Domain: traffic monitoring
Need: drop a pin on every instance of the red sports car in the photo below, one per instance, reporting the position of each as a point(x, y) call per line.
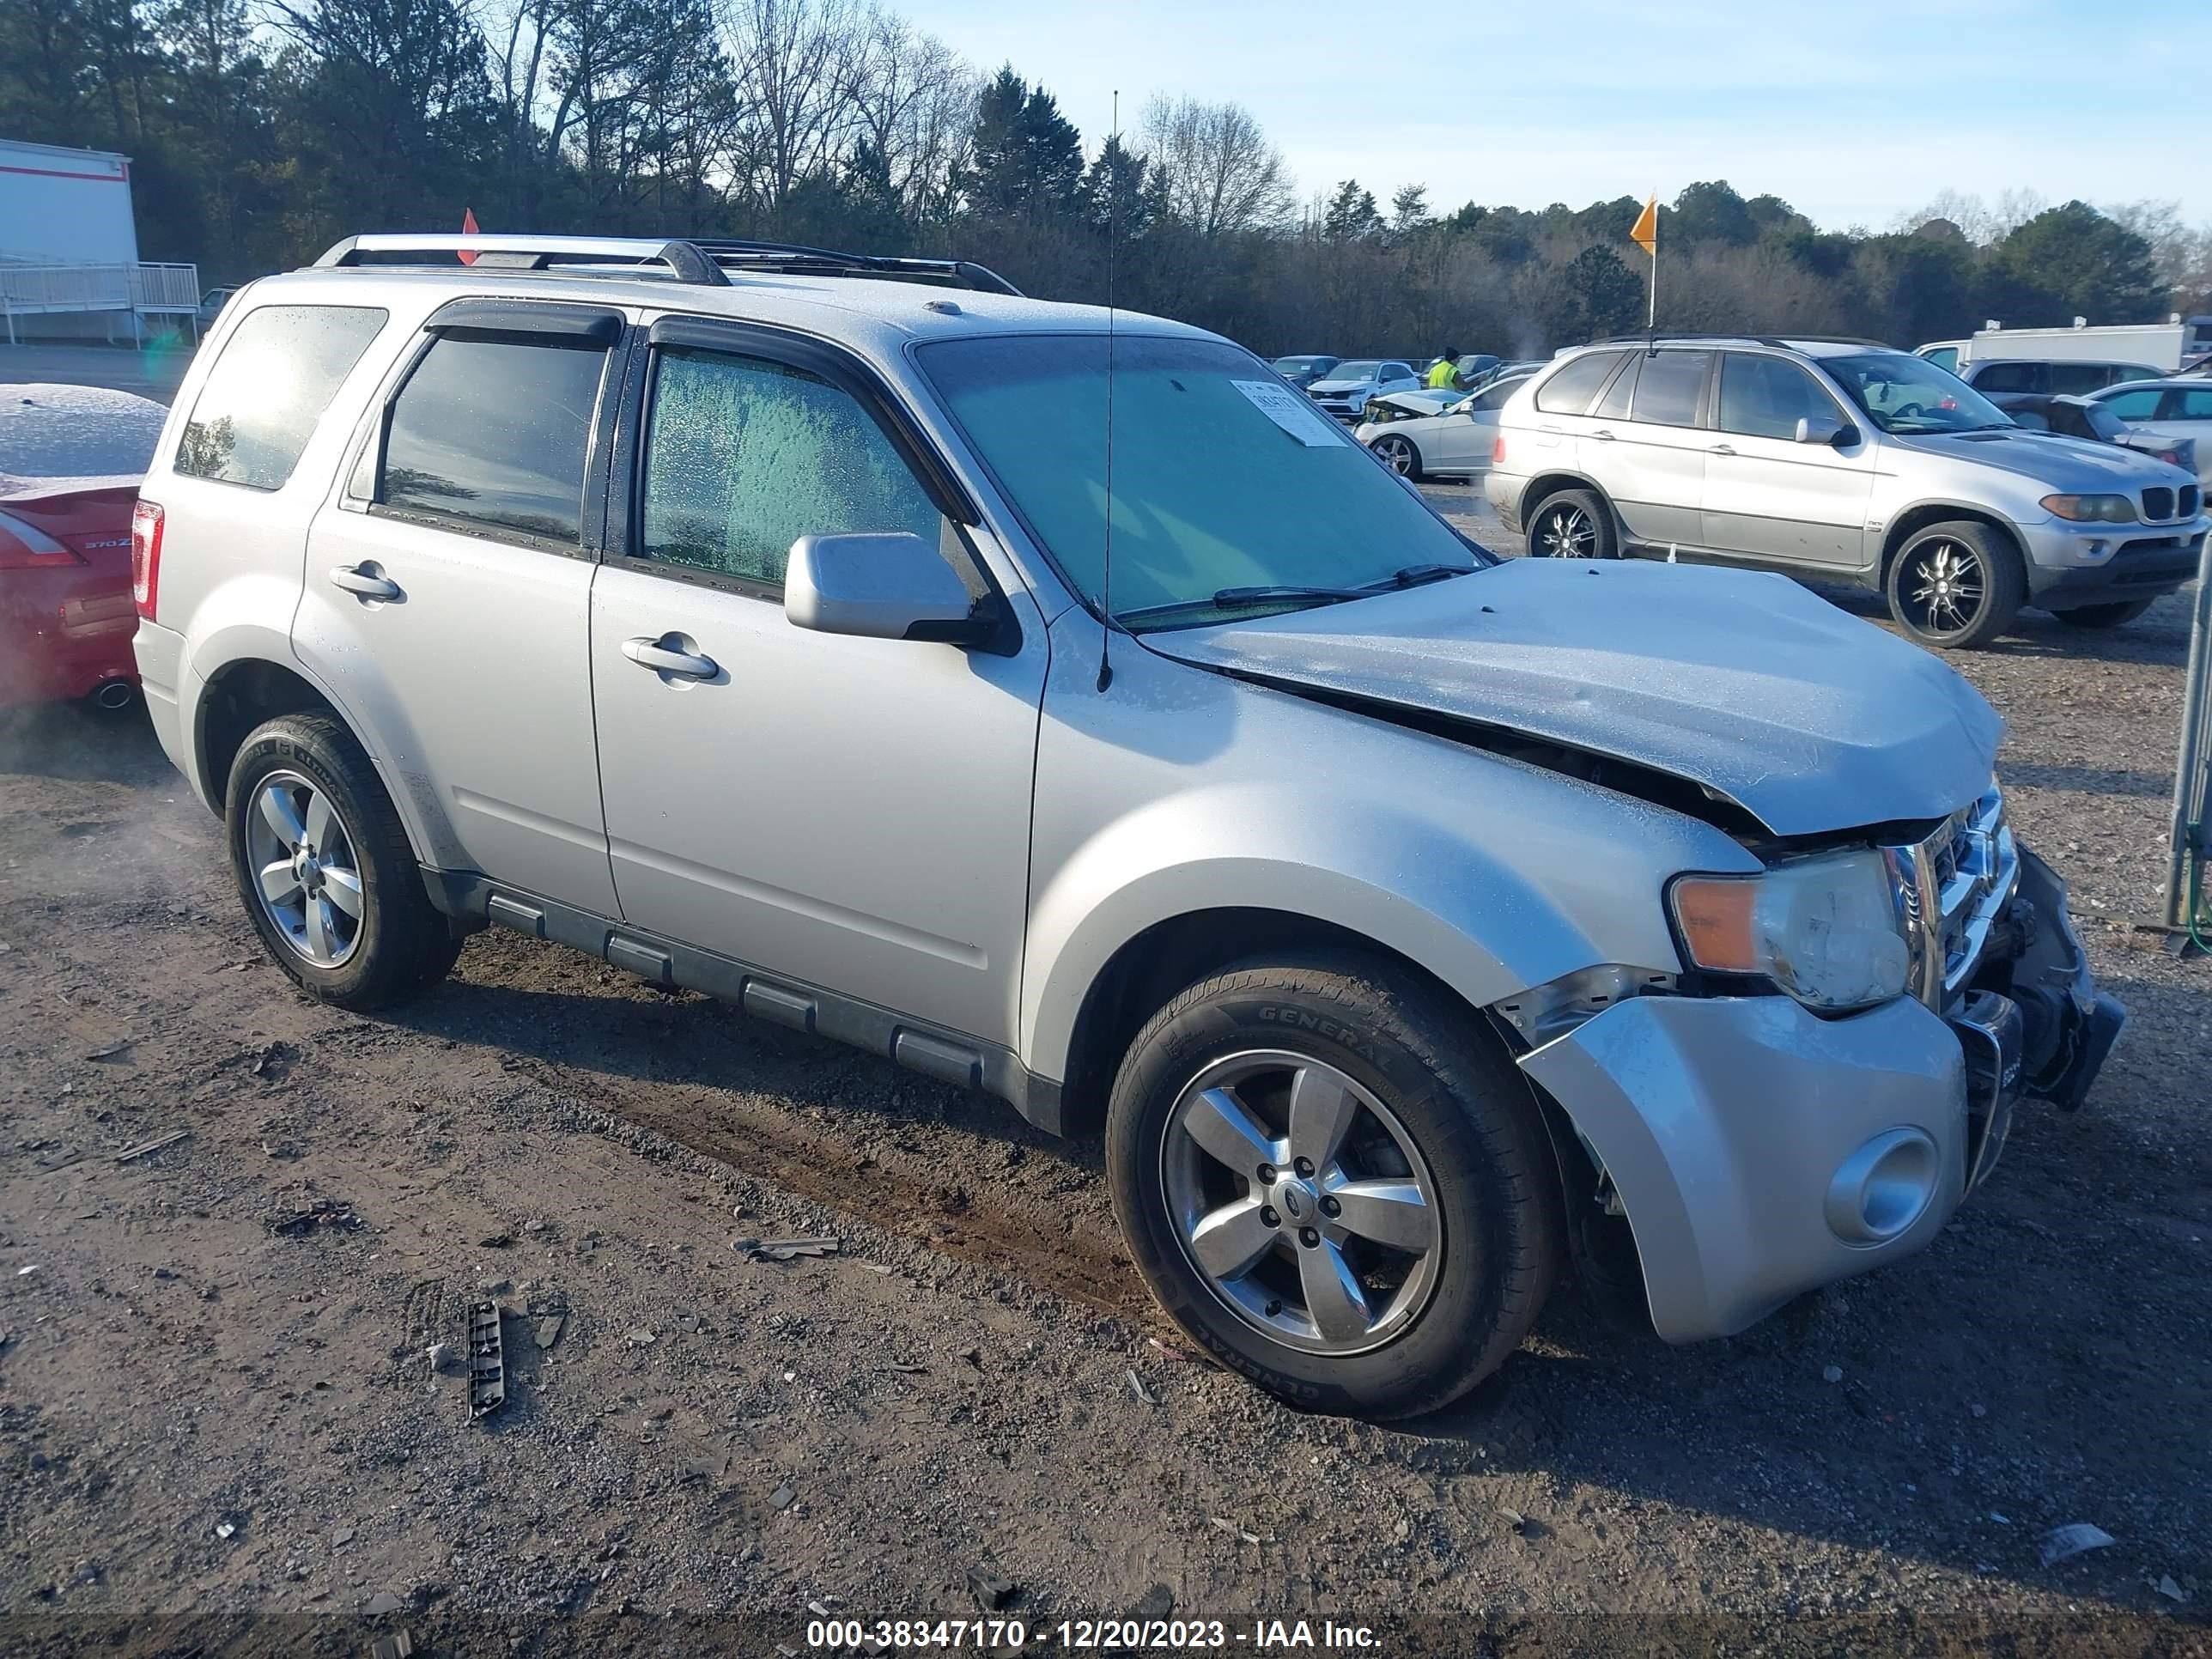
point(70, 461)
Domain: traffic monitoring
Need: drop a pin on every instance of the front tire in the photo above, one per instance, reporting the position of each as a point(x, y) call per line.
point(2118, 614)
point(1333, 1183)
point(1956, 586)
point(1575, 524)
point(324, 871)
point(1397, 452)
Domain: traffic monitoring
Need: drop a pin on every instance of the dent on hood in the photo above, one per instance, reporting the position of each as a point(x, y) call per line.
point(1744, 685)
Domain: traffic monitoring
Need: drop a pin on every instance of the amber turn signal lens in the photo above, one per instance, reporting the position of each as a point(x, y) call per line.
point(1715, 915)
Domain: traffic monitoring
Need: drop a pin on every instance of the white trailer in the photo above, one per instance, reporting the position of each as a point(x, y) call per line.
point(68, 246)
point(2164, 346)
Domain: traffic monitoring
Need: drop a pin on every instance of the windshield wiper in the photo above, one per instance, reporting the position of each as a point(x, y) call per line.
point(1414, 574)
point(1239, 598)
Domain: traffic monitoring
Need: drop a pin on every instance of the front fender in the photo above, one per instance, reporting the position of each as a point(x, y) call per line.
point(1493, 875)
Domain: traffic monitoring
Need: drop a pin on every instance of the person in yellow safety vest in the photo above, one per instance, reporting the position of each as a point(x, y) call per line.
point(1443, 374)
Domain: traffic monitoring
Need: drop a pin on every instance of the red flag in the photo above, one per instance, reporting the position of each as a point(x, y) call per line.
point(468, 228)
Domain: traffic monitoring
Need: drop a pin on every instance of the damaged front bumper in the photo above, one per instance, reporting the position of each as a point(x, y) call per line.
point(1759, 1151)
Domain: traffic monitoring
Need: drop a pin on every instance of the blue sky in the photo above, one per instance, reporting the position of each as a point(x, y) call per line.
point(1854, 110)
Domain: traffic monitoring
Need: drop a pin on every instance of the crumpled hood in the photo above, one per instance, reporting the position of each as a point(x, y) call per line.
point(1808, 718)
point(2074, 466)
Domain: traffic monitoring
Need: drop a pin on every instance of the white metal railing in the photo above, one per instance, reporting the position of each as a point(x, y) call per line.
point(32, 291)
point(166, 288)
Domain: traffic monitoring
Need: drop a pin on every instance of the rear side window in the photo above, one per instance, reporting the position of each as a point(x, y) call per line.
point(1570, 391)
point(1671, 387)
point(744, 456)
point(493, 431)
point(2138, 405)
point(277, 373)
point(2193, 404)
point(2010, 377)
point(1614, 406)
point(1943, 358)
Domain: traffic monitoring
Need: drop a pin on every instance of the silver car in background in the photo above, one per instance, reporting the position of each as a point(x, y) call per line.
point(1412, 924)
point(1846, 461)
point(1345, 390)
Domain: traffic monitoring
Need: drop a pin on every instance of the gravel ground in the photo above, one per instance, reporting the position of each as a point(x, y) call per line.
point(221, 1430)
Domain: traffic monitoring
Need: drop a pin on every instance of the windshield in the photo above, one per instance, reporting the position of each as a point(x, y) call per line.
point(1225, 480)
point(1302, 365)
point(1354, 371)
point(1905, 394)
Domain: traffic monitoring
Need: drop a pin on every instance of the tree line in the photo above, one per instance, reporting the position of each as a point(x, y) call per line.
point(261, 130)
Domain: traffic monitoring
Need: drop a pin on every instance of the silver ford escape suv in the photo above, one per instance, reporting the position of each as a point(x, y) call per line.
point(794, 628)
point(1844, 461)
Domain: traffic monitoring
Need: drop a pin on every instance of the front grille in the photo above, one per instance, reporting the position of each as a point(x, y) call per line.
point(1951, 887)
point(2192, 499)
point(2157, 504)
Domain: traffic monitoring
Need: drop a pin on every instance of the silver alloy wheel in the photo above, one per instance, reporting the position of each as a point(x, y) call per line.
point(1944, 587)
point(1397, 454)
point(305, 874)
point(1302, 1201)
point(1567, 534)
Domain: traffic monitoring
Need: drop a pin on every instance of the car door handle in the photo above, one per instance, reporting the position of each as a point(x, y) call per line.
point(1603, 435)
point(364, 582)
point(665, 658)
point(1720, 449)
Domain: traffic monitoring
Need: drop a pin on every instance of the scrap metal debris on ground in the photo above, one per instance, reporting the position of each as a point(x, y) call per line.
point(487, 1365)
point(784, 1249)
point(322, 1213)
point(145, 1148)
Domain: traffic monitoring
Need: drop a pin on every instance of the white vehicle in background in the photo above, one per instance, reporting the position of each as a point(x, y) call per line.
point(2172, 407)
point(1345, 390)
point(2162, 348)
point(1416, 437)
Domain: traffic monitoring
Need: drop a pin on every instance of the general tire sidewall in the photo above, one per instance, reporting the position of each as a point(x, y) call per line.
point(1478, 1200)
point(289, 747)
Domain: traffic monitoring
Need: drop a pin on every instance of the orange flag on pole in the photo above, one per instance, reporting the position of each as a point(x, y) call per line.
point(1645, 233)
point(469, 228)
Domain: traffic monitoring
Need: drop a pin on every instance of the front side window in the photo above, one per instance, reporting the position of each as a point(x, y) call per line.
point(1222, 483)
point(744, 456)
point(1906, 395)
point(1671, 387)
point(1493, 396)
point(492, 430)
point(2010, 377)
point(1766, 397)
point(2141, 405)
point(277, 373)
point(1943, 358)
point(2073, 379)
point(1570, 391)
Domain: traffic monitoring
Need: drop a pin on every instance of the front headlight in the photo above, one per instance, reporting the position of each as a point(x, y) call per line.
point(2092, 509)
point(1827, 929)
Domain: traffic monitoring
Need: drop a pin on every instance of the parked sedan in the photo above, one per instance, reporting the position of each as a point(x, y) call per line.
point(1345, 390)
point(1418, 435)
point(1303, 372)
point(2083, 417)
point(2172, 409)
point(70, 460)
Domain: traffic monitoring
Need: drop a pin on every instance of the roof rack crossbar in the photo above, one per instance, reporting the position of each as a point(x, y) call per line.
point(695, 260)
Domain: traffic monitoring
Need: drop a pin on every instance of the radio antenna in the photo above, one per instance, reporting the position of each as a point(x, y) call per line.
point(1113, 241)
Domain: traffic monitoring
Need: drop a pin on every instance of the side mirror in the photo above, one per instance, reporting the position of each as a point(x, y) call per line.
point(1826, 429)
point(892, 586)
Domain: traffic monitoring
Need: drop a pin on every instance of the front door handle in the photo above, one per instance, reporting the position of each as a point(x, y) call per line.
point(1603, 435)
point(1720, 449)
point(364, 582)
point(665, 656)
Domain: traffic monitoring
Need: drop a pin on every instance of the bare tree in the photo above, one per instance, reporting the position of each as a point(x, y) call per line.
point(1218, 170)
point(911, 101)
point(793, 60)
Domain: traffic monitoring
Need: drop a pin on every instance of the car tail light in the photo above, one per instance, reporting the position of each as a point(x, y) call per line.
point(24, 546)
point(1497, 450)
point(146, 556)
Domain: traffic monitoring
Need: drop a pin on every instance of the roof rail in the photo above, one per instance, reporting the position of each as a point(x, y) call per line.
point(1644, 335)
point(698, 261)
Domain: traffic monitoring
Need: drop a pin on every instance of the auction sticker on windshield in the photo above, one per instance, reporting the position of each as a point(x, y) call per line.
point(1291, 412)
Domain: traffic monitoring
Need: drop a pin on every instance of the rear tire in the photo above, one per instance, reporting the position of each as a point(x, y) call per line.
point(1956, 586)
point(324, 870)
point(1449, 1224)
point(2118, 614)
point(1574, 523)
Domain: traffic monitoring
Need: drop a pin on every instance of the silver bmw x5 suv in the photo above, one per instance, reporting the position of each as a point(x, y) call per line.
point(770, 623)
point(1846, 461)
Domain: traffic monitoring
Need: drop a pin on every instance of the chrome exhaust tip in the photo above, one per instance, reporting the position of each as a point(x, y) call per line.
point(114, 694)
